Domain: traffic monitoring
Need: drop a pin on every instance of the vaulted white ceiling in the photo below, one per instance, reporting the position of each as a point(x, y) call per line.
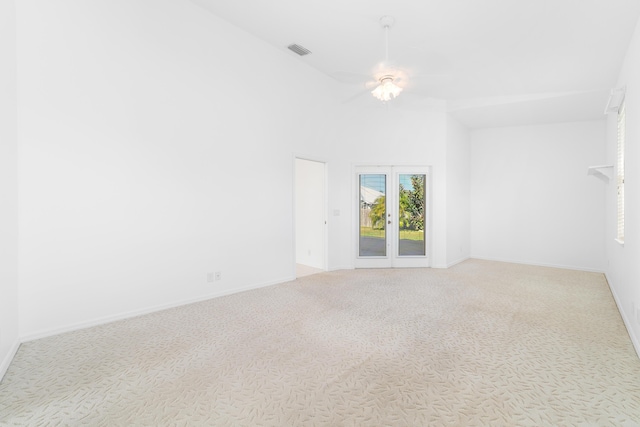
point(495, 62)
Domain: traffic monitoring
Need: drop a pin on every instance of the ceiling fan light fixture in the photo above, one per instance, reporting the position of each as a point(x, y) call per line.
point(386, 90)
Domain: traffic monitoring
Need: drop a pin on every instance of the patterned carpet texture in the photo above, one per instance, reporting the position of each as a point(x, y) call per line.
point(480, 344)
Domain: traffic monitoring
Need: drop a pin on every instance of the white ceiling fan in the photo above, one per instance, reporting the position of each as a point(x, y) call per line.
point(387, 88)
point(386, 81)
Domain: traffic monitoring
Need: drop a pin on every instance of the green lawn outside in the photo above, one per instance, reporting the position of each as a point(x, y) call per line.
point(404, 234)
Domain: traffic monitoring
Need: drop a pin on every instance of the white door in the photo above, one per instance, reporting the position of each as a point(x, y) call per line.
point(392, 216)
point(310, 213)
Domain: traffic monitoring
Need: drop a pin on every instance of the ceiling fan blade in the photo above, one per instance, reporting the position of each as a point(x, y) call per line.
point(417, 102)
point(371, 84)
point(350, 78)
point(357, 96)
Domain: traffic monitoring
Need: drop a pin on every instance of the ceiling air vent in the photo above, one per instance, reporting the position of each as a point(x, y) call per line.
point(299, 49)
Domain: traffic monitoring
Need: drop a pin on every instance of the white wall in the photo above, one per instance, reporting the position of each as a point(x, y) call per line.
point(369, 132)
point(531, 199)
point(8, 187)
point(623, 271)
point(375, 134)
point(155, 140)
point(310, 213)
point(148, 139)
point(458, 192)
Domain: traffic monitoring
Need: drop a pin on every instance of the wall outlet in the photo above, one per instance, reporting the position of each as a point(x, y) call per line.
point(217, 276)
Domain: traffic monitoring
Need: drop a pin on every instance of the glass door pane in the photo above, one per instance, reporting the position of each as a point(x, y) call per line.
point(411, 215)
point(391, 220)
point(373, 213)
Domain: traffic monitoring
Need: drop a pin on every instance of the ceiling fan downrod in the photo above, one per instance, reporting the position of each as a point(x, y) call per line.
point(386, 22)
point(387, 89)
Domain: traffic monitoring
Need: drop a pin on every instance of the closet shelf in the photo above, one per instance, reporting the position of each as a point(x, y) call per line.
point(601, 171)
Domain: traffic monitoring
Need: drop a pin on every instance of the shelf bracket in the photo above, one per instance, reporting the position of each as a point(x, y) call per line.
point(603, 172)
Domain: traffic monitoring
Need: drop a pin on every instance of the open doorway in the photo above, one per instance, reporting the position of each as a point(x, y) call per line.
point(310, 217)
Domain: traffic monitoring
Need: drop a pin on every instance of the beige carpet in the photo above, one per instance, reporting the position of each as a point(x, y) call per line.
point(480, 344)
point(306, 270)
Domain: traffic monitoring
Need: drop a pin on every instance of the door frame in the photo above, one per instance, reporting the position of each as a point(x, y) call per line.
point(391, 259)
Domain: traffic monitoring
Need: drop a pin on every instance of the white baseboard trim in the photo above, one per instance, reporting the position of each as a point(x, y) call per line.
point(341, 268)
point(451, 264)
point(8, 358)
point(442, 266)
point(540, 264)
point(134, 313)
point(625, 319)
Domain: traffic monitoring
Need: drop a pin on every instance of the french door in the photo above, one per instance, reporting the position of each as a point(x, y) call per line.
point(392, 216)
